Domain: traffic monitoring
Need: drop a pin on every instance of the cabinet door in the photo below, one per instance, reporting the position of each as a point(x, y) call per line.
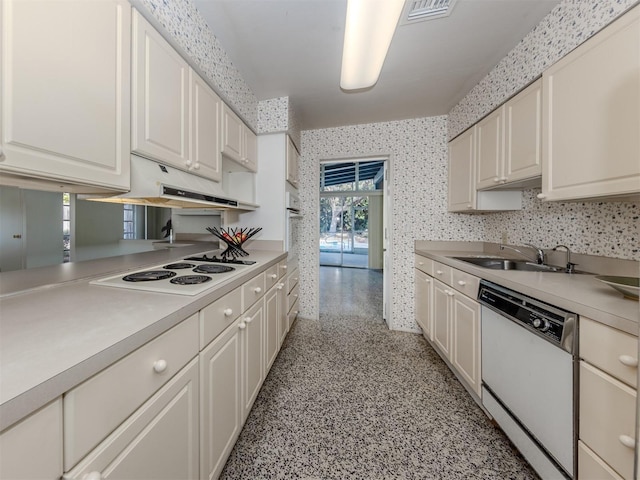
point(462, 189)
point(424, 284)
point(252, 356)
point(283, 325)
point(292, 163)
point(159, 441)
point(206, 112)
point(441, 324)
point(32, 449)
point(591, 116)
point(160, 110)
point(271, 337)
point(490, 150)
point(66, 95)
point(220, 400)
point(465, 335)
point(523, 134)
point(250, 155)
point(232, 136)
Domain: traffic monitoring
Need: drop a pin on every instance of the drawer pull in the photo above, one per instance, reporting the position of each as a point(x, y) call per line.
point(439, 272)
point(449, 292)
point(462, 283)
point(295, 280)
point(248, 320)
point(628, 360)
point(273, 276)
point(284, 267)
point(427, 280)
point(279, 286)
point(242, 325)
point(296, 295)
point(92, 476)
point(420, 263)
point(159, 366)
point(627, 441)
point(228, 312)
point(257, 290)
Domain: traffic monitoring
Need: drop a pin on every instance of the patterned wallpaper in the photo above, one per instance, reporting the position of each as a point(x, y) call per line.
point(273, 115)
point(417, 150)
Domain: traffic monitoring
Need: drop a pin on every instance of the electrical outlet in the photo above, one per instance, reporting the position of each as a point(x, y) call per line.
point(504, 238)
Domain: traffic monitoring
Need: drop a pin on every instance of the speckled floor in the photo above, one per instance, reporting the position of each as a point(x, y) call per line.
point(349, 399)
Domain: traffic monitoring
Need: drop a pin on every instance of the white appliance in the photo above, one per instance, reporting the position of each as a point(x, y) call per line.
point(293, 216)
point(189, 276)
point(529, 377)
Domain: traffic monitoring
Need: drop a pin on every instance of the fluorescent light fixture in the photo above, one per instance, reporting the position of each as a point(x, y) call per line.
point(367, 36)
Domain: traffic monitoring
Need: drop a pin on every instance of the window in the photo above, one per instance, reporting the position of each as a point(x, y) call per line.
point(351, 176)
point(66, 228)
point(129, 222)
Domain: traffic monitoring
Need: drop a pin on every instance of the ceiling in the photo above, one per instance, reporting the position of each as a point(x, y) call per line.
point(294, 48)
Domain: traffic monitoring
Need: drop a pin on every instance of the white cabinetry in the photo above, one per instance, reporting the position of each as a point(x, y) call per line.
point(206, 112)
point(32, 449)
point(446, 299)
point(239, 143)
point(608, 382)
point(591, 116)
point(509, 142)
point(66, 93)
point(252, 348)
point(463, 196)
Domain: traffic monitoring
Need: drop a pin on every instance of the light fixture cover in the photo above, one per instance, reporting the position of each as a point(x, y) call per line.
point(369, 29)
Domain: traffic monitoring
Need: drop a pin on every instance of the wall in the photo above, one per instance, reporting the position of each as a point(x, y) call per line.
point(417, 150)
point(595, 228)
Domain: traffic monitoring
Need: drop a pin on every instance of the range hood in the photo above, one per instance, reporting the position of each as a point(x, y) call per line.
point(160, 185)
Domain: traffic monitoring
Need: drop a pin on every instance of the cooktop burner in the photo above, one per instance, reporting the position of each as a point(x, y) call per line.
point(149, 276)
point(213, 269)
point(214, 259)
point(190, 279)
point(179, 266)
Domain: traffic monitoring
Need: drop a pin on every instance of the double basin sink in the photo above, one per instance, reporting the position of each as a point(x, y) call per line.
point(511, 264)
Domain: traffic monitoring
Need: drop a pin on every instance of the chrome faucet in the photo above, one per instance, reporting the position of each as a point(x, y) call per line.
point(570, 265)
point(539, 257)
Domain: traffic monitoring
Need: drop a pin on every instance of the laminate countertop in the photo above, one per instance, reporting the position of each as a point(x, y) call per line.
point(57, 329)
point(577, 293)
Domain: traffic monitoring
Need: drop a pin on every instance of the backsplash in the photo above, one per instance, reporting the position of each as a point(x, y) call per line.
point(564, 28)
point(609, 229)
point(185, 24)
point(417, 150)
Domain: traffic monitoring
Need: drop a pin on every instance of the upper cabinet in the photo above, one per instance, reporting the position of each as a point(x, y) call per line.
point(591, 115)
point(292, 163)
point(66, 92)
point(239, 143)
point(463, 195)
point(176, 115)
point(509, 142)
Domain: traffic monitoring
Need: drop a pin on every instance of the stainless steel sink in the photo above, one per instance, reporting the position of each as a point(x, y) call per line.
point(511, 264)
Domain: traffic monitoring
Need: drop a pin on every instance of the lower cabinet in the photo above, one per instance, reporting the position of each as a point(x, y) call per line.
point(251, 334)
point(272, 327)
point(159, 441)
point(449, 316)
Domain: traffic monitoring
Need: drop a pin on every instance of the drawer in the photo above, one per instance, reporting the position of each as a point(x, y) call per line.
point(607, 418)
point(292, 298)
point(465, 283)
point(282, 268)
point(293, 314)
point(292, 280)
point(424, 264)
point(253, 290)
point(214, 318)
point(592, 467)
point(610, 350)
point(271, 276)
point(96, 407)
point(442, 272)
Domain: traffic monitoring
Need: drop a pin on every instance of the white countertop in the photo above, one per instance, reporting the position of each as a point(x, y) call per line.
point(57, 330)
point(581, 294)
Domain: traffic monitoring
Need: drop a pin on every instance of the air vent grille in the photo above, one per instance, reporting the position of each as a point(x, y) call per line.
point(418, 10)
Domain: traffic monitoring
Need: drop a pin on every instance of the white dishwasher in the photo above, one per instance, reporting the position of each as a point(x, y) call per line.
point(529, 375)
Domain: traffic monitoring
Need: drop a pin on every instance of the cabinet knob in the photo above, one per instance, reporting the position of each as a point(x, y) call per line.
point(627, 441)
point(196, 166)
point(541, 196)
point(462, 283)
point(296, 295)
point(159, 366)
point(248, 320)
point(284, 267)
point(280, 286)
point(427, 280)
point(503, 179)
point(257, 290)
point(449, 292)
point(242, 325)
point(439, 272)
point(92, 476)
point(188, 163)
point(295, 279)
point(628, 360)
point(496, 179)
point(420, 263)
point(469, 206)
point(273, 275)
point(227, 312)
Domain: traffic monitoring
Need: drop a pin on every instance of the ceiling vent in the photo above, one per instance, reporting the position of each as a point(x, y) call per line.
point(419, 10)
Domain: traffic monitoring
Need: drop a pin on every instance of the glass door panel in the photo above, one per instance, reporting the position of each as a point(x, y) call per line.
point(344, 224)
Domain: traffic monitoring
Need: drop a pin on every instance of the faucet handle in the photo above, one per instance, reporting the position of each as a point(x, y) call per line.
point(570, 267)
